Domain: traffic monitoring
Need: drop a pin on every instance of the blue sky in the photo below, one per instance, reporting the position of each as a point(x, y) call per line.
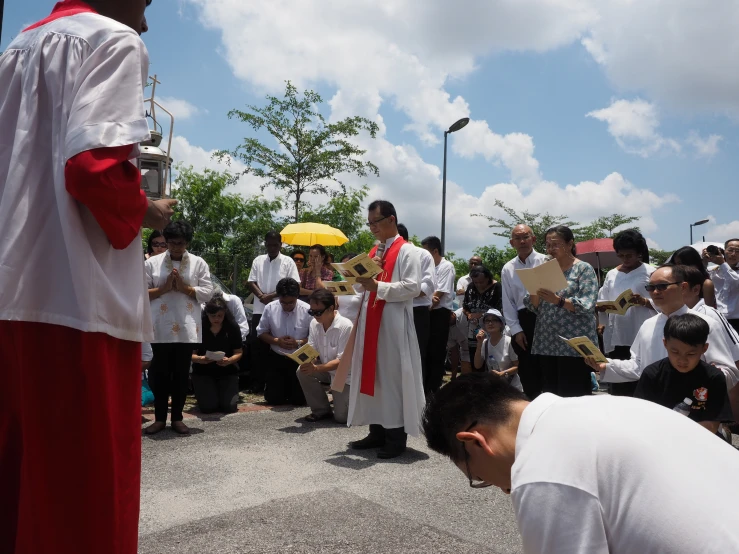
point(526, 72)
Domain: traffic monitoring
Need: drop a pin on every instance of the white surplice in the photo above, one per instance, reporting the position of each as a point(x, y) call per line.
point(398, 400)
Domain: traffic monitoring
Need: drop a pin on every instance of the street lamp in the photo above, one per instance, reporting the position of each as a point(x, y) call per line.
point(453, 129)
point(701, 222)
point(155, 164)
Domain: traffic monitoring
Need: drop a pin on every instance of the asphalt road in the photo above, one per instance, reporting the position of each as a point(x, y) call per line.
point(265, 482)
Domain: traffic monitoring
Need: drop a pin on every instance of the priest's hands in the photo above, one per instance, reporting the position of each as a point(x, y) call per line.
point(368, 283)
point(159, 213)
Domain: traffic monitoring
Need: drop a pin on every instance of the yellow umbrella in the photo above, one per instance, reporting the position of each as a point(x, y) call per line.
point(308, 234)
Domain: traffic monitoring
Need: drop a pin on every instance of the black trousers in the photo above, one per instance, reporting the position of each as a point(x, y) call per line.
point(168, 376)
point(621, 389)
point(734, 323)
point(528, 364)
point(436, 352)
point(565, 375)
point(422, 323)
point(282, 385)
point(216, 394)
point(258, 351)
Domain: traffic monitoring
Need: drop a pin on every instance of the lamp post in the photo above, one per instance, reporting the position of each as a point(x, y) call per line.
point(155, 164)
point(701, 222)
point(454, 128)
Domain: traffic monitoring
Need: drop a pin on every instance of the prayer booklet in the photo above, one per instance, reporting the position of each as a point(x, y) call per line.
point(304, 354)
point(215, 356)
point(359, 266)
point(619, 306)
point(340, 288)
point(585, 347)
point(547, 276)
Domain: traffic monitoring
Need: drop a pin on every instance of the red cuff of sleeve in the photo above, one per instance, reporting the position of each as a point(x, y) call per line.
point(110, 187)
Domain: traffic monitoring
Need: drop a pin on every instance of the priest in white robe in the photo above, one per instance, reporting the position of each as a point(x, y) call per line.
point(387, 383)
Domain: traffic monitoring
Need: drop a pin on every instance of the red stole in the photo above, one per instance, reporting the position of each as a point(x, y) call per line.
point(65, 8)
point(374, 317)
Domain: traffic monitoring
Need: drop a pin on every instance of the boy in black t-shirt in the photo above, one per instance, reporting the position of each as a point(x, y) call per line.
point(683, 374)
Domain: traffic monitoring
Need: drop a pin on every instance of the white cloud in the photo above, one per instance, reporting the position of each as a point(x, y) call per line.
point(653, 244)
point(181, 109)
point(721, 232)
point(634, 123)
point(704, 147)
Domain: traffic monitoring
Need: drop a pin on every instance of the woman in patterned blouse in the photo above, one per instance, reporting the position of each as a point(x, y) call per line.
point(568, 313)
point(313, 276)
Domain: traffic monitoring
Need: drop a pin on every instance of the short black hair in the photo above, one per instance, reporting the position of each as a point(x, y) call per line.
point(296, 252)
point(325, 297)
point(693, 276)
point(349, 256)
point(470, 398)
point(687, 328)
point(273, 235)
point(678, 272)
point(154, 235)
point(687, 255)
point(726, 244)
point(287, 287)
point(386, 209)
point(403, 231)
point(565, 233)
point(631, 239)
point(178, 230)
point(481, 270)
point(433, 242)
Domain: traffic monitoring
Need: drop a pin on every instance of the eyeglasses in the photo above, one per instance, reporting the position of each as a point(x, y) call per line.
point(159, 245)
point(375, 222)
point(316, 313)
point(732, 250)
point(299, 259)
point(660, 286)
point(473, 484)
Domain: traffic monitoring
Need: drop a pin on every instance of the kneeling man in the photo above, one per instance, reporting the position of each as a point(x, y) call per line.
point(329, 334)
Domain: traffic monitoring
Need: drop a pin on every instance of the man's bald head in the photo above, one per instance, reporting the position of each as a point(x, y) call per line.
point(522, 239)
point(521, 229)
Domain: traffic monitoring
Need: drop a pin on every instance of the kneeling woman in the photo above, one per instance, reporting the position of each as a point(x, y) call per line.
point(217, 382)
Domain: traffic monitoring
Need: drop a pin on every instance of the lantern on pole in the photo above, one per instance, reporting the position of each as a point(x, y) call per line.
point(154, 163)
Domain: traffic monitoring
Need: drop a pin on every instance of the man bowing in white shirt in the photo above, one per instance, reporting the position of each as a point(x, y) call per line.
point(386, 385)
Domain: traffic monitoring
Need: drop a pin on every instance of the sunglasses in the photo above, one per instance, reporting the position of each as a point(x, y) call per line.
point(316, 313)
point(159, 245)
point(660, 286)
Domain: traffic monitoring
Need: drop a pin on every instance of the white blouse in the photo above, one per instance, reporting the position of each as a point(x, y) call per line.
point(621, 330)
point(175, 315)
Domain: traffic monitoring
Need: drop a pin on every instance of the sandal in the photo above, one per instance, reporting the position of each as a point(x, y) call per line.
point(312, 418)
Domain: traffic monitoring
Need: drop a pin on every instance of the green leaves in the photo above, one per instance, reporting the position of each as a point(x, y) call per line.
point(310, 152)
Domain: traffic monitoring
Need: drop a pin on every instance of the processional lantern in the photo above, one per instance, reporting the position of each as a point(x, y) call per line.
point(154, 163)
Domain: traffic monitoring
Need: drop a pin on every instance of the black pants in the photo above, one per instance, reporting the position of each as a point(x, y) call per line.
point(392, 437)
point(168, 376)
point(436, 352)
point(282, 385)
point(258, 351)
point(528, 364)
point(216, 394)
point(734, 323)
point(565, 375)
point(422, 323)
point(621, 389)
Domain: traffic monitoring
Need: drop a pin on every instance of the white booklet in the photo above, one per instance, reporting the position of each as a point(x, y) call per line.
point(359, 266)
point(215, 356)
point(304, 354)
point(340, 288)
point(547, 276)
point(585, 347)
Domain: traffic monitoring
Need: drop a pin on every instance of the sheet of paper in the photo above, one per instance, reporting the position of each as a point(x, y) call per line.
point(304, 354)
point(215, 356)
point(547, 276)
point(585, 347)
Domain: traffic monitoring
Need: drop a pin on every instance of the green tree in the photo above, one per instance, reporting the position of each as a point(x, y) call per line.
point(539, 223)
point(659, 257)
point(311, 153)
point(603, 227)
point(495, 258)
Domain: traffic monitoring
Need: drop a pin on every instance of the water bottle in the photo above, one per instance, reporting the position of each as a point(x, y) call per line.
point(684, 407)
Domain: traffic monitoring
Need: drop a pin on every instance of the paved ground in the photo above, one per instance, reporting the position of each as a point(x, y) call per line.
point(264, 482)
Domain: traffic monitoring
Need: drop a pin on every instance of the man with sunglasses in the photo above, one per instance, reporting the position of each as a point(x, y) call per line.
point(329, 334)
point(666, 287)
point(590, 475)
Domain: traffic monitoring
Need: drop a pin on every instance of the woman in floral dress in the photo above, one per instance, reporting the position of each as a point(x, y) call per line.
point(178, 283)
point(568, 313)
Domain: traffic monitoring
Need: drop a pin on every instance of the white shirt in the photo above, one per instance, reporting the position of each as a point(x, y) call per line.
point(175, 315)
point(279, 323)
point(462, 285)
point(266, 273)
point(445, 273)
point(349, 306)
point(726, 281)
point(72, 85)
point(428, 279)
point(498, 357)
point(331, 342)
point(147, 354)
point(621, 330)
point(730, 335)
point(649, 348)
point(618, 475)
point(513, 289)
